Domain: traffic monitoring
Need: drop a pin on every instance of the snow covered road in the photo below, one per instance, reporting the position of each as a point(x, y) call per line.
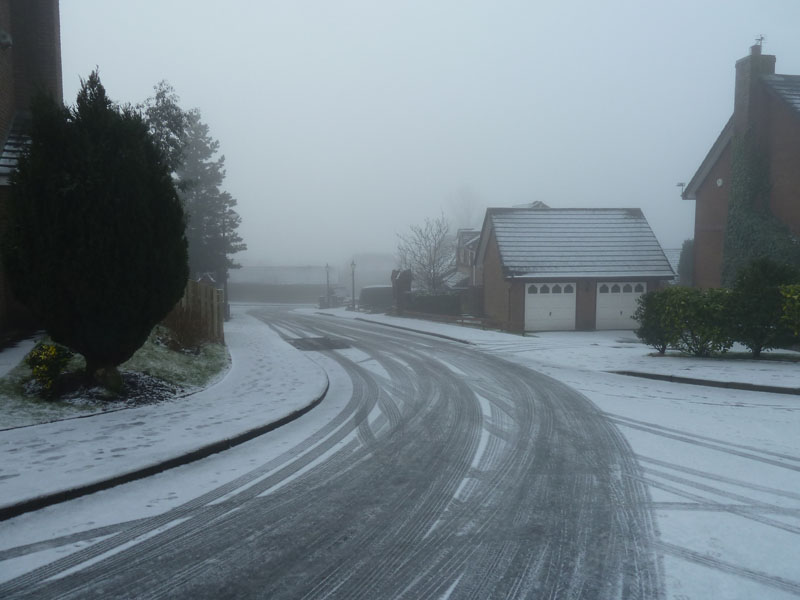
point(429, 471)
point(437, 469)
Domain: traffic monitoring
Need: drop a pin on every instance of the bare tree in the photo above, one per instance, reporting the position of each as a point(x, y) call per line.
point(429, 252)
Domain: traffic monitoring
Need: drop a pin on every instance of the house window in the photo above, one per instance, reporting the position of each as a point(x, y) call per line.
point(604, 289)
point(627, 289)
point(532, 289)
point(639, 288)
point(544, 289)
point(568, 289)
point(556, 289)
point(615, 289)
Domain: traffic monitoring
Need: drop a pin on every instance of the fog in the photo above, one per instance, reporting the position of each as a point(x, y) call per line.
point(344, 122)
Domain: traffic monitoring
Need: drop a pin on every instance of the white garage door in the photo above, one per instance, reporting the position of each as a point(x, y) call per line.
point(549, 306)
point(616, 303)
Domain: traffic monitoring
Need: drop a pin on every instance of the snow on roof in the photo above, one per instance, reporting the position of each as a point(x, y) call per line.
point(578, 242)
point(785, 86)
point(673, 256)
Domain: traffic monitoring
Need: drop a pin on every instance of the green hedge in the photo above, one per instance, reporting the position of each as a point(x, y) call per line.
point(702, 320)
point(757, 305)
point(655, 327)
point(761, 311)
point(690, 320)
point(790, 295)
point(436, 304)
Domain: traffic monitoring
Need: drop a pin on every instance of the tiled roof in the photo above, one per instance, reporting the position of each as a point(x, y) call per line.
point(578, 242)
point(12, 149)
point(787, 87)
point(674, 257)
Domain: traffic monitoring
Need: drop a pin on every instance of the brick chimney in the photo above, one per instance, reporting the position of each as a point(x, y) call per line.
point(36, 52)
point(748, 97)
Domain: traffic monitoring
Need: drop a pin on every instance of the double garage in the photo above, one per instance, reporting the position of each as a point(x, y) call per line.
point(553, 306)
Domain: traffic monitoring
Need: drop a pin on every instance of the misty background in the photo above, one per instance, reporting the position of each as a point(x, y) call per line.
point(345, 122)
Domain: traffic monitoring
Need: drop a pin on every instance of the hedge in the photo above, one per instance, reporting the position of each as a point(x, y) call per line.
point(436, 304)
point(762, 311)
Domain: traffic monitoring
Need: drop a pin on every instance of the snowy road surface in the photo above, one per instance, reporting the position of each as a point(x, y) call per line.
point(429, 471)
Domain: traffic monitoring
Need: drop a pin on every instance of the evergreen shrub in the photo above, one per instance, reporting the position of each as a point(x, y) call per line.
point(655, 329)
point(94, 243)
point(756, 307)
point(690, 320)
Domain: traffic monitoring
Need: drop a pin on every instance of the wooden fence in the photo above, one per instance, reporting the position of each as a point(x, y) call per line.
point(200, 313)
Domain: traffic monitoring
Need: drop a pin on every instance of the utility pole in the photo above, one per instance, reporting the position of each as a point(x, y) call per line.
point(353, 275)
point(327, 286)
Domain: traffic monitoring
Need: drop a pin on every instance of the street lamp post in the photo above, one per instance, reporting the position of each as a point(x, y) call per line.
point(327, 286)
point(353, 275)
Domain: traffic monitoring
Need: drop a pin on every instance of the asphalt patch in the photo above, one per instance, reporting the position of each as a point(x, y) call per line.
point(318, 344)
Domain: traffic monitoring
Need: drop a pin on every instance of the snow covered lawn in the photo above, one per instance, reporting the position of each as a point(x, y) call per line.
point(268, 380)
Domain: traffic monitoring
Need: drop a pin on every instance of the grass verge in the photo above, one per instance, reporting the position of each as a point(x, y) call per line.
point(155, 373)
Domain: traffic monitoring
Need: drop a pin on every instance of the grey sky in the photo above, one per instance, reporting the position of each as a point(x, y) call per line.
point(343, 122)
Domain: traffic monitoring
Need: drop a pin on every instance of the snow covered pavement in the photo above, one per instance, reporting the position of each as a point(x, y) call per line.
point(268, 381)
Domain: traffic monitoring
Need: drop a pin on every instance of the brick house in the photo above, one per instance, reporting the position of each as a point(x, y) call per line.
point(466, 247)
point(564, 269)
point(30, 60)
point(768, 106)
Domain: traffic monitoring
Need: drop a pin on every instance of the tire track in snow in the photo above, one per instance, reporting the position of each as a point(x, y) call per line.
point(744, 451)
point(773, 581)
point(555, 511)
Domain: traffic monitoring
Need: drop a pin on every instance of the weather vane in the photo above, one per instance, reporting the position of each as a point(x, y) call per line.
point(760, 40)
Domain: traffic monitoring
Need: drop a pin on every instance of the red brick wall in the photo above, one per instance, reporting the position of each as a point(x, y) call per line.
point(586, 305)
point(495, 287)
point(748, 101)
point(516, 320)
point(711, 213)
point(32, 63)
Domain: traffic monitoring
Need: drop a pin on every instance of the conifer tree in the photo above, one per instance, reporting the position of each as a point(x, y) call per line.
point(95, 242)
point(212, 221)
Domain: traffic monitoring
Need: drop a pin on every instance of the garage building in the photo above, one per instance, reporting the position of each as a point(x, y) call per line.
point(549, 269)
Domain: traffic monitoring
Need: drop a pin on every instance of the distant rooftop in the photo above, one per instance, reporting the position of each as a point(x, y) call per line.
point(578, 242)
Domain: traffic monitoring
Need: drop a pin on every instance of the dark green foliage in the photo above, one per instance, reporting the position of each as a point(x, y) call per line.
point(693, 321)
point(701, 316)
point(212, 221)
point(655, 328)
point(790, 308)
point(95, 242)
point(686, 264)
point(752, 231)
point(436, 304)
point(756, 308)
